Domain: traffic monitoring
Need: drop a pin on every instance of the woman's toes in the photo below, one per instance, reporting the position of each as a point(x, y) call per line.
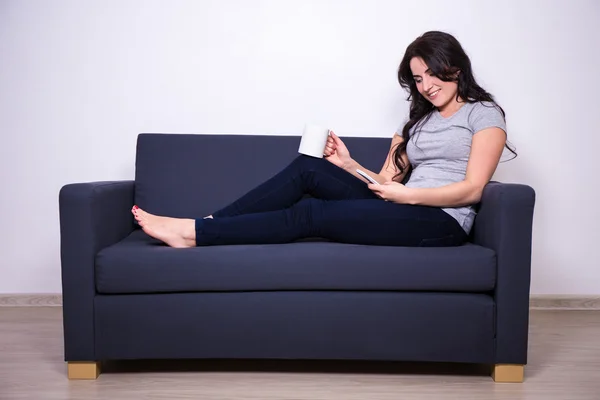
point(141, 213)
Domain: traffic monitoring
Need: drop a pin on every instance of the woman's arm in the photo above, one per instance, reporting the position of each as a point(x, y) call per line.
point(486, 150)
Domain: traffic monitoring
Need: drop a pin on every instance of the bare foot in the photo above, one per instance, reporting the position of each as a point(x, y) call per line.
point(176, 232)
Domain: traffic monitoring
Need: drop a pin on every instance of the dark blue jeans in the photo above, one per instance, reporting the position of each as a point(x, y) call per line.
point(339, 207)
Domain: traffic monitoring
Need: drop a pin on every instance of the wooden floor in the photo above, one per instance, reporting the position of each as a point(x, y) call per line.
point(564, 363)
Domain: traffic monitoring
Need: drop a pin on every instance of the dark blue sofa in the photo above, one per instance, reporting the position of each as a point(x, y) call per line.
point(127, 296)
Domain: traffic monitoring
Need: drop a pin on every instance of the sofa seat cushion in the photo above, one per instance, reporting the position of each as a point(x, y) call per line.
point(140, 264)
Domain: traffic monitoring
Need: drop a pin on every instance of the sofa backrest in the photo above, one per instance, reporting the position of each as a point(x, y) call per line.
point(193, 175)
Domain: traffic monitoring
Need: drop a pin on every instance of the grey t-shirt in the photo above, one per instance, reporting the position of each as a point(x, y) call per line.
point(439, 151)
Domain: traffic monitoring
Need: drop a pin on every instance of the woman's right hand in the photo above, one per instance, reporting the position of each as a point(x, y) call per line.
point(336, 151)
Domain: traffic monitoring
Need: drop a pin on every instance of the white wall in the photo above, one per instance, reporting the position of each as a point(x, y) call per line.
point(79, 80)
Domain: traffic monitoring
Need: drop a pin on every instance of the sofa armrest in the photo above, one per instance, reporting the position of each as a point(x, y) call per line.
point(92, 216)
point(504, 224)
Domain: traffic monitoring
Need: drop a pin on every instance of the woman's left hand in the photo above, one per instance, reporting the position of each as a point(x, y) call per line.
point(391, 191)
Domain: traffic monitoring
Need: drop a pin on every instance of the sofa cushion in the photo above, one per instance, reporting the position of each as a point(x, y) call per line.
point(140, 264)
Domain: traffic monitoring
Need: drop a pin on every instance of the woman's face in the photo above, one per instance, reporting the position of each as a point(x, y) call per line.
point(441, 94)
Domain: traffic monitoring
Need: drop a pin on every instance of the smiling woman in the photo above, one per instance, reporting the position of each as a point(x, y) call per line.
point(437, 73)
point(461, 133)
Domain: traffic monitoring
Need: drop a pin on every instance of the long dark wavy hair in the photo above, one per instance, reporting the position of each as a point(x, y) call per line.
point(447, 60)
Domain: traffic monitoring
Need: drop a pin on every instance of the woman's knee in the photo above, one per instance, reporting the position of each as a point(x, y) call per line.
point(308, 163)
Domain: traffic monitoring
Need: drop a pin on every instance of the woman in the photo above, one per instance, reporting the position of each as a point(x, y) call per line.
point(451, 144)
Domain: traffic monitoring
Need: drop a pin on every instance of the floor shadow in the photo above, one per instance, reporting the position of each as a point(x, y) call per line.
point(296, 366)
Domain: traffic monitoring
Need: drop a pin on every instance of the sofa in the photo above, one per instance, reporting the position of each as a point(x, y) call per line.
point(127, 296)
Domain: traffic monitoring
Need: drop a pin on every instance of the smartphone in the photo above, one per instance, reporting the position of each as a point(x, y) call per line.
point(366, 176)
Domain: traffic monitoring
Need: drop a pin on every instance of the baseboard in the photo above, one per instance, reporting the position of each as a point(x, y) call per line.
point(31, 300)
point(536, 302)
point(564, 302)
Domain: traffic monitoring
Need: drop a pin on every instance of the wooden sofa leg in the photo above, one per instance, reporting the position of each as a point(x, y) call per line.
point(508, 372)
point(83, 369)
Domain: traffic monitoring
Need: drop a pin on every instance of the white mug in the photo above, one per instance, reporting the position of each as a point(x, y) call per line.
point(314, 139)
